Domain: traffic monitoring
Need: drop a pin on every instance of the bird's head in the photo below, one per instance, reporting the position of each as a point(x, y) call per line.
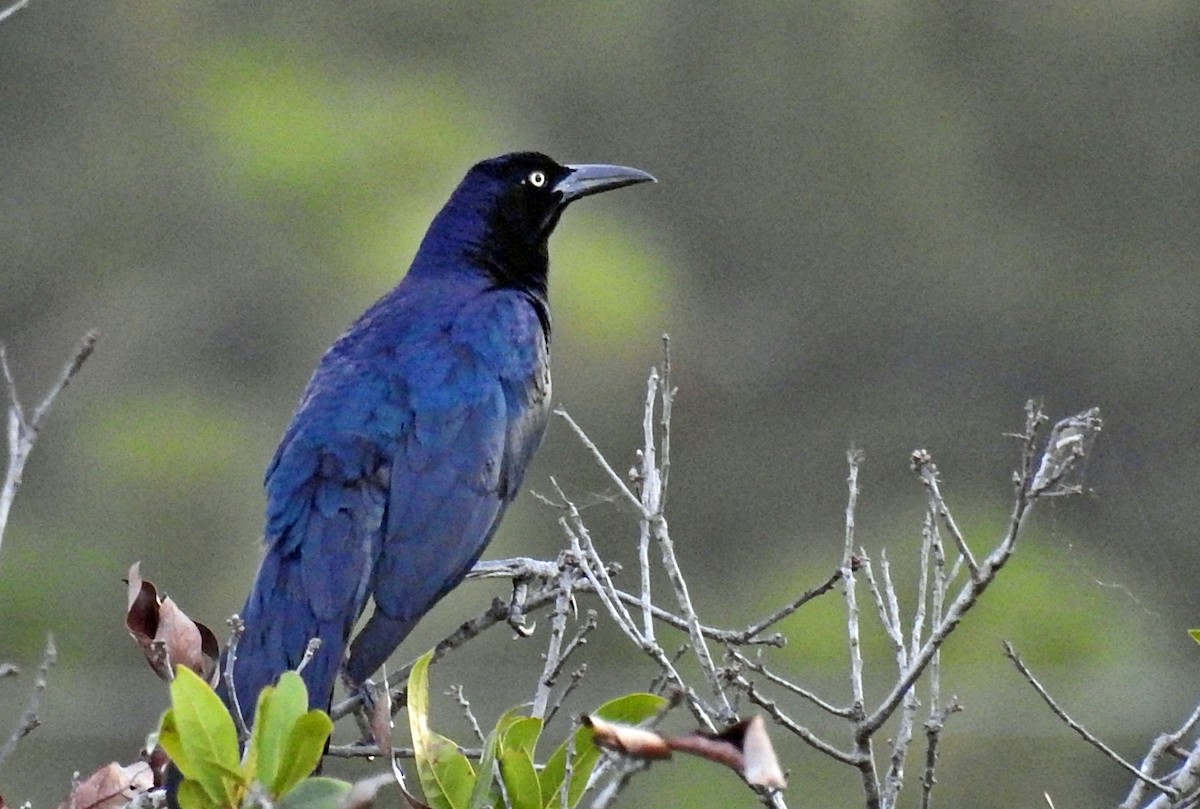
point(505, 209)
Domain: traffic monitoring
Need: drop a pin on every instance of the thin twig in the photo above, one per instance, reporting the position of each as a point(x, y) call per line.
point(925, 467)
point(1163, 745)
point(792, 726)
point(755, 666)
point(372, 751)
point(22, 430)
point(579, 639)
point(576, 677)
point(754, 630)
point(236, 627)
point(13, 9)
point(699, 644)
point(600, 459)
point(850, 563)
point(554, 647)
point(29, 719)
point(461, 697)
point(1083, 732)
point(863, 758)
point(974, 587)
point(651, 495)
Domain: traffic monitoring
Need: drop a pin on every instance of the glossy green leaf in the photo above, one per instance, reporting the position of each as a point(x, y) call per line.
point(206, 735)
point(279, 707)
point(522, 734)
point(315, 793)
point(446, 775)
point(1195, 633)
point(168, 737)
point(302, 750)
point(630, 709)
point(193, 796)
point(520, 778)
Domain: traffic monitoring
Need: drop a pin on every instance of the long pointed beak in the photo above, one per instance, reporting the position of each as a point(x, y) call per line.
point(585, 180)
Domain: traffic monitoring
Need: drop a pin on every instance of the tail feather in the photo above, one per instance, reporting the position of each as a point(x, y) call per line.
point(279, 623)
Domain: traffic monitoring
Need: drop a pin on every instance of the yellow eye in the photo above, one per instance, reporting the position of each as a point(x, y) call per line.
point(537, 179)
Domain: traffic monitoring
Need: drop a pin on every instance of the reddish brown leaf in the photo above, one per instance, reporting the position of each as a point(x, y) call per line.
point(110, 786)
point(627, 739)
point(165, 633)
point(713, 749)
point(743, 746)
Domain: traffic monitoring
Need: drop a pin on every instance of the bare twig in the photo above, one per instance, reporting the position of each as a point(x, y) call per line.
point(461, 697)
point(782, 682)
point(651, 495)
point(1162, 746)
point(29, 719)
point(924, 466)
point(372, 751)
point(23, 430)
point(785, 721)
point(576, 677)
point(933, 736)
point(600, 459)
point(1083, 732)
point(554, 648)
point(754, 630)
point(863, 757)
point(13, 9)
point(236, 627)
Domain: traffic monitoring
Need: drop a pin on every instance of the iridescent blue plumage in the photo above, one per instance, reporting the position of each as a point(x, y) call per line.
point(414, 432)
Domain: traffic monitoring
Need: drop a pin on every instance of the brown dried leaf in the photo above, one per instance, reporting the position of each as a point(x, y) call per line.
point(627, 739)
point(110, 786)
point(713, 749)
point(166, 633)
point(744, 746)
point(762, 765)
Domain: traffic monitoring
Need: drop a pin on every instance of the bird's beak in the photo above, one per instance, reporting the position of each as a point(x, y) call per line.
point(588, 179)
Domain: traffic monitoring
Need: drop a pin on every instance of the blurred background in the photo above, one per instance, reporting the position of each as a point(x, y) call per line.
point(885, 224)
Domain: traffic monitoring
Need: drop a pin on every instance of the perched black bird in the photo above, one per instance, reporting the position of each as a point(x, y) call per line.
point(414, 432)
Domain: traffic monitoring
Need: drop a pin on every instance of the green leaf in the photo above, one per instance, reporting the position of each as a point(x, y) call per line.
point(447, 778)
point(520, 778)
point(522, 734)
point(279, 708)
point(206, 735)
point(193, 796)
point(1195, 633)
point(302, 750)
point(517, 745)
point(168, 737)
point(630, 709)
point(483, 794)
point(315, 793)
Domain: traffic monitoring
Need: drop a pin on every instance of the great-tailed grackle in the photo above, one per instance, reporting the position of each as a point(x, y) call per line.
point(414, 432)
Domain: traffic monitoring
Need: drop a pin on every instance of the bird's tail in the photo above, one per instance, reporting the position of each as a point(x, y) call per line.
point(279, 625)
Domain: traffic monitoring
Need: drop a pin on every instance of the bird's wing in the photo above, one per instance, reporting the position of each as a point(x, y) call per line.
point(478, 399)
point(327, 486)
